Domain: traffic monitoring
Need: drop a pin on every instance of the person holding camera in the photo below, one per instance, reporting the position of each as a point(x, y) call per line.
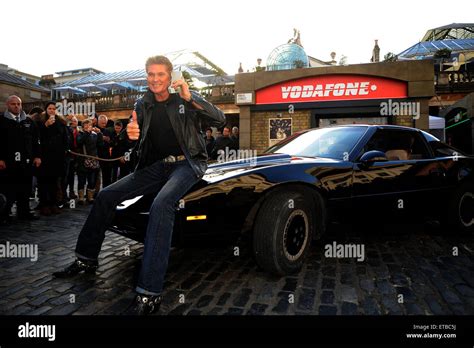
point(171, 159)
point(54, 146)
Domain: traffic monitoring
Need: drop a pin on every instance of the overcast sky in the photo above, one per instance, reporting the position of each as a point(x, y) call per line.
point(43, 37)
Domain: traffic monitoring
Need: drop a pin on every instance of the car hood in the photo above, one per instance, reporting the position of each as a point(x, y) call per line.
point(220, 171)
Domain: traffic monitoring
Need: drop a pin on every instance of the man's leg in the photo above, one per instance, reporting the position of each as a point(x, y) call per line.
point(160, 228)
point(106, 174)
point(114, 172)
point(9, 192)
point(23, 194)
point(100, 217)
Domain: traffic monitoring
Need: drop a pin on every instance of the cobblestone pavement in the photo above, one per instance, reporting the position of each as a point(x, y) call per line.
point(415, 261)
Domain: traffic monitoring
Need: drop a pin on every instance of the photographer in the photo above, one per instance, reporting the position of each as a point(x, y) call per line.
point(54, 146)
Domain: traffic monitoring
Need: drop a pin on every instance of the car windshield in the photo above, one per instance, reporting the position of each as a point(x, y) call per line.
point(334, 143)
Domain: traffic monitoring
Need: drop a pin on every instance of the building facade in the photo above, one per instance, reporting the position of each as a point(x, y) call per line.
point(275, 104)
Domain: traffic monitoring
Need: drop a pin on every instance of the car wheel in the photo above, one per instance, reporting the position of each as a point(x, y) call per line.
point(283, 231)
point(460, 210)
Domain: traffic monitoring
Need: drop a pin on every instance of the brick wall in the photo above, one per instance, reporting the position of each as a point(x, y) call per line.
point(259, 124)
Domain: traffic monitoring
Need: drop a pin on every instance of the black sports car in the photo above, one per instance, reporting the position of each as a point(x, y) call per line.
point(287, 196)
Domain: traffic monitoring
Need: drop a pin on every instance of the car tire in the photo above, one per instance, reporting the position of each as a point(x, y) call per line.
point(459, 214)
point(283, 231)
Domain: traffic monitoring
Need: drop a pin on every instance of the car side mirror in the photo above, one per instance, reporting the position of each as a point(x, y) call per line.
point(370, 157)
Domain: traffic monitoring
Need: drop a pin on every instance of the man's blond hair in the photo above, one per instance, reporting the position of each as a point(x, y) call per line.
point(161, 60)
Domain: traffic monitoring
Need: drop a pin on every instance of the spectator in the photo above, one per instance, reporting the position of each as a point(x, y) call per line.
point(103, 151)
point(87, 141)
point(19, 153)
point(210, 141)
point(120, 146)
point(35, 115)
point(54, 147)
point(73, 132)
point(235, 137)
point(222, 143)
point(62, 182)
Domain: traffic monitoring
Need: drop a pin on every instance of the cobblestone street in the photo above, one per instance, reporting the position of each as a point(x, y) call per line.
point(415, 261)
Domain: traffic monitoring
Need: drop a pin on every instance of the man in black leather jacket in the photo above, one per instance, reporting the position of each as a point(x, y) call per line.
point(171, 159)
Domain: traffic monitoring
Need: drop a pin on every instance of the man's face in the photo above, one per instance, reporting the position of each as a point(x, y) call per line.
point(235, 132)
point(208, 133)
point(158, 78)
point(102, 122)
point(14, 106)
point(226, 132)
point(118, 128)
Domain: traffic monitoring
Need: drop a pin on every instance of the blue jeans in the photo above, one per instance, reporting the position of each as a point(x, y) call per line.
point(171, 181)
point(90, 175)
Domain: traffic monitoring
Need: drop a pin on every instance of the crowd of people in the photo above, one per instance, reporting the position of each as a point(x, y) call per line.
point(42, 155)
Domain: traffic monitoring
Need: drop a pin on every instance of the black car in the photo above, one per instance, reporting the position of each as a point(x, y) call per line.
point(287, 196)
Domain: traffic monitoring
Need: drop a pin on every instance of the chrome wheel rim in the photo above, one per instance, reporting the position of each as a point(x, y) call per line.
point(295, 235)
point(466, 209)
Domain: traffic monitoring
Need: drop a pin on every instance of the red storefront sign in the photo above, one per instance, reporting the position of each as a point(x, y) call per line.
point(332, 88)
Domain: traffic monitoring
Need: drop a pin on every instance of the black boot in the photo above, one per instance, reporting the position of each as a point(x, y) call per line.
point(146, 304)
point(77, 267)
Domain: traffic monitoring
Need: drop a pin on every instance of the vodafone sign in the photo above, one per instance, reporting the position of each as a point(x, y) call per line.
point(331, 88)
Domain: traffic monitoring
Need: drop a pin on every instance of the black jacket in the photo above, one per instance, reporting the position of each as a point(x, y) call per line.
point(18, 138)
point(91, 141)
point(120, 144)
point(220, 144)
point(103, 150)
point(186, 126)
point(54, 146)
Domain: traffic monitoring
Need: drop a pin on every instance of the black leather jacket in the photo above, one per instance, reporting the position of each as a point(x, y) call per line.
point(186, 123)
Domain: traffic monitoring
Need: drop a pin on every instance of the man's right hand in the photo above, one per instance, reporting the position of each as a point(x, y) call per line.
point(133, 130)
point(3, 165)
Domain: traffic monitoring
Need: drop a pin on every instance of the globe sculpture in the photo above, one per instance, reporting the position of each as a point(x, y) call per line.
point(287, 56)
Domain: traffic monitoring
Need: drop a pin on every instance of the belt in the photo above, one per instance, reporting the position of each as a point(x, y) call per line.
point(171, 159)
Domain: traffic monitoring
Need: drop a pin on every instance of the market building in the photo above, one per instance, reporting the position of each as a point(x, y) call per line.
point(276, 103)
point(451, 48)
point(24, 85)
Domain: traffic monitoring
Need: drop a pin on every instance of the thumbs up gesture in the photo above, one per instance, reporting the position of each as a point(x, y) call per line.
point(133, 130)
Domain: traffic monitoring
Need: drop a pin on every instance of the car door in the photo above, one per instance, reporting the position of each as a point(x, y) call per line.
point(402, 186)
